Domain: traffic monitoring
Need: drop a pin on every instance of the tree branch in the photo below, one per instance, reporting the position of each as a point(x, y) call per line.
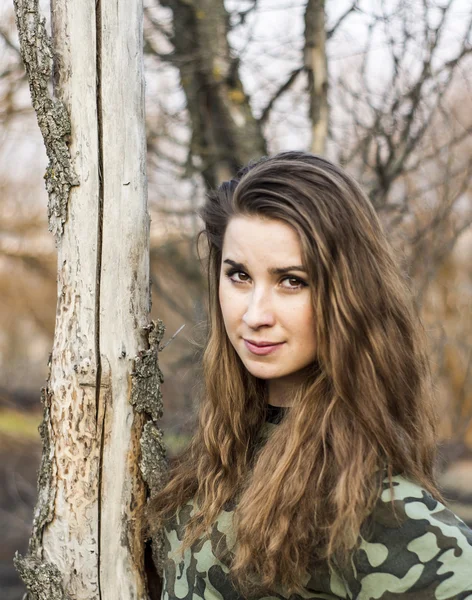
point(281, 90)
point(354, 7)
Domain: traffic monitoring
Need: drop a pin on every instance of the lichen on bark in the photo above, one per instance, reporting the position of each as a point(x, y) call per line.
point(44, 510)
point(147, 377)
point(42, 579)
point(153, 458)
point(146, 397)
point(154, 471)
point(53, 119)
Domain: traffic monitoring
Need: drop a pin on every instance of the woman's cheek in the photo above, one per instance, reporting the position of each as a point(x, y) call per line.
point(230, 304)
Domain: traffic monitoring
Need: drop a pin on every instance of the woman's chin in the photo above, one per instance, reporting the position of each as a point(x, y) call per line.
point(262, 372)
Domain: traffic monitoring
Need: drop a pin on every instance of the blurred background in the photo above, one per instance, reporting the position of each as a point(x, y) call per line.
point(227, 82)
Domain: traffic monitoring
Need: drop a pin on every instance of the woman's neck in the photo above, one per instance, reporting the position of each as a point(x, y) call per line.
point(282, 390)
point(279, 393)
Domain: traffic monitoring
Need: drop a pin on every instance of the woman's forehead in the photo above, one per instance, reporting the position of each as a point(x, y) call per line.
point(258, 239)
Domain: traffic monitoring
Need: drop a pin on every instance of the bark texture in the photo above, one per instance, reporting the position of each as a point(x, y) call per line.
point(53, 119)
point(102, 399)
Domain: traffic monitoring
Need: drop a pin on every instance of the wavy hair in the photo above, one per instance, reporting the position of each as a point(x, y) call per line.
point(364, 411)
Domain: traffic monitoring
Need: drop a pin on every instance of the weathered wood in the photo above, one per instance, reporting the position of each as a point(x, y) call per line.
point(124, 290)
point(100, 404)
point(66, 516)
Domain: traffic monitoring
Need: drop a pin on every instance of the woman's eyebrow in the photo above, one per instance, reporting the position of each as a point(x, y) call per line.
point(236, 265)
point(283, 270)
point(272, 270)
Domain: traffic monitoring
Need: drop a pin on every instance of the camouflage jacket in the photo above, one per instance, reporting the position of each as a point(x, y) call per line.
point(422, 553)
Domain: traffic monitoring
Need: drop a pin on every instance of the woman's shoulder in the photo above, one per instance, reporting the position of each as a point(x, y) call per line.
point(407, 501)
point(412, 543)
point(407, 514)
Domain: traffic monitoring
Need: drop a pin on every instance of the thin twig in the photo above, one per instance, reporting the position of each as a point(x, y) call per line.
point(161, 348)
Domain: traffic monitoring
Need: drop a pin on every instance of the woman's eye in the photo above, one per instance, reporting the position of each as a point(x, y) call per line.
point(238, 276)
point(293, 283)
point(288, 283)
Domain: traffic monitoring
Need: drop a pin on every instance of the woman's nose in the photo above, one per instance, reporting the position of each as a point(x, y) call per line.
point(259, 311)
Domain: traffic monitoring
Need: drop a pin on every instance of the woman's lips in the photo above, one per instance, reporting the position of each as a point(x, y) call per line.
point(262, 350)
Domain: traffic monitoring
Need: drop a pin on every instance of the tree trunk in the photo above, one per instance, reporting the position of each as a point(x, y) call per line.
point(225, 134)
point(102, 399)
point(316, 66)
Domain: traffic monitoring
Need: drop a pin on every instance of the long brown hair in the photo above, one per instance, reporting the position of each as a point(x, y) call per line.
point(365, 409)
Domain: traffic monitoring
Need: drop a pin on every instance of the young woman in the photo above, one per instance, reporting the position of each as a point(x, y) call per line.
point(311, 472)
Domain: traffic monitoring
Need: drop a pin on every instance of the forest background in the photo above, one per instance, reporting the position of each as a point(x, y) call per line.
point(382, 87)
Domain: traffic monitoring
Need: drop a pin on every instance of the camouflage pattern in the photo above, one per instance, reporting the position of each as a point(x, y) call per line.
point(412, 548)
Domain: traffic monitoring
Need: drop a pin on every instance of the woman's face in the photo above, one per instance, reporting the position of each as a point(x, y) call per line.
point(266, 299)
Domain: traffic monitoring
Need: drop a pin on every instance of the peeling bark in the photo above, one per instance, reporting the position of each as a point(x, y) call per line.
point(146, 378)
point(154, 471)
point(52, 115)
point(43, 580)
point(147, 399)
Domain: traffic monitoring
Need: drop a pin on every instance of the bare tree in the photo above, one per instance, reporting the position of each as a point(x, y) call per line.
point(405, 135)
point(387, 99)
point(101, 446)
point(225, 134)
